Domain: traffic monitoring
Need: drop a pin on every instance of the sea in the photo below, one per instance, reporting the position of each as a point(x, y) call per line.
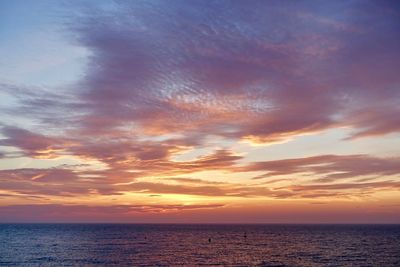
point(198, 245)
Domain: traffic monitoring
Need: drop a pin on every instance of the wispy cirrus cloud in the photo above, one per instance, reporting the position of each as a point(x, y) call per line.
point(332, 175)
point(329, 167)
point(32, 144)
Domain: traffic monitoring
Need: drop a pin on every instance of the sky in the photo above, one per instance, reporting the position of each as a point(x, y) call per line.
point(200, 111)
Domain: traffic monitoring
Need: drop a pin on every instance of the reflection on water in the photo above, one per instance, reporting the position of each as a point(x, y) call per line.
point(188, 245)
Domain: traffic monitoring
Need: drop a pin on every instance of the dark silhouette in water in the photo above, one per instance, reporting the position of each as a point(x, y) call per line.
point(209, 240)
point(245, 235)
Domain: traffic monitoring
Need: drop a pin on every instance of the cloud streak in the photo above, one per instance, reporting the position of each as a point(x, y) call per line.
point(332, 175)
point(332, 167)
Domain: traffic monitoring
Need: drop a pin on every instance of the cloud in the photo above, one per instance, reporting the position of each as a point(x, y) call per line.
point(231, 75)
point(346, 186)
point(198, 69)
point(67, 183)
point(70, 213)
point(64, 182)
point(129, 162)
point(34, 145)
point(328, 167)
point(375, 120)
point(51, 182)
point(279, 213)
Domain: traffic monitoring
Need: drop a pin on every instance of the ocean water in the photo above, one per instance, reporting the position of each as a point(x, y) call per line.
point(189, 245)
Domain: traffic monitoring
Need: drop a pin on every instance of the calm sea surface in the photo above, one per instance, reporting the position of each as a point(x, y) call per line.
point(189, 245)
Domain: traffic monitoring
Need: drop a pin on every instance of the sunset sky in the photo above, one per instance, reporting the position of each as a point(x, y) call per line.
point(200, 111)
